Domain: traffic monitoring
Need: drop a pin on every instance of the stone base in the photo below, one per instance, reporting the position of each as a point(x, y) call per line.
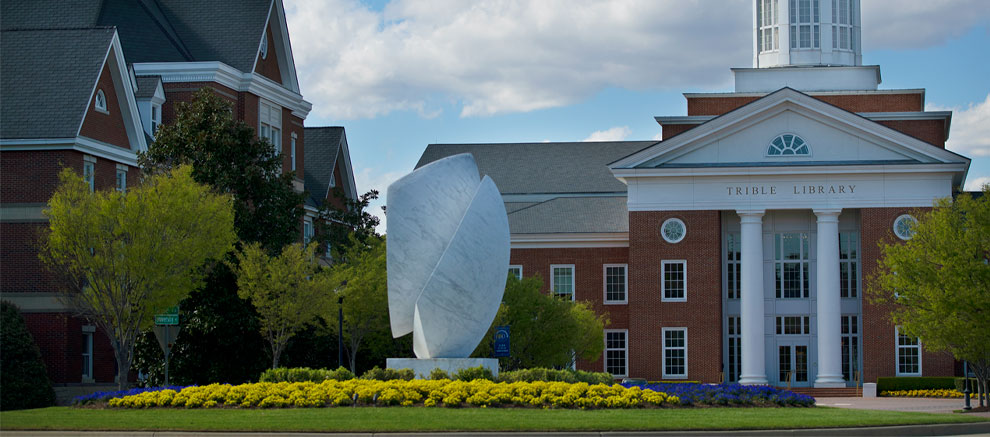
point(830, 384)
point(870, 390)
point(423, 367)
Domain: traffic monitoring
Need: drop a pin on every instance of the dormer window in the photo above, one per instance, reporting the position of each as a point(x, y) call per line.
point(788, 145)
point(264, 46)
point(101, 102)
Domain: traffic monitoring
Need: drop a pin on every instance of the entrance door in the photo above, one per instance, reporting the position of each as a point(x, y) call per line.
point(792, 364)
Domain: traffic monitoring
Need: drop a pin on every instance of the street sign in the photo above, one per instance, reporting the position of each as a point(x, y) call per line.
point(501, 341)
point(170, 317)
point(166, 339)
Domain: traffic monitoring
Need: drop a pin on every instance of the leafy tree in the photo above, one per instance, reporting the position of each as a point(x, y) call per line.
point(128, 256)
point(938, 282)
point(365, 295)
point(288, 291)
point(337, 224)
point(24, 382)
point(546, 331)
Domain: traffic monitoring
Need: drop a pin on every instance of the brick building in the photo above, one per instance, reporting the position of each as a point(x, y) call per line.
point(85, 84)
point(737, 247)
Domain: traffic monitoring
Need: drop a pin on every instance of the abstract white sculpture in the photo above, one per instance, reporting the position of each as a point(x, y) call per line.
point(448, 256)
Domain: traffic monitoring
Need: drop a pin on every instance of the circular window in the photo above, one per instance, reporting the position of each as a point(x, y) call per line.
point(904, 226)
point(264, 46)
point(673, 230)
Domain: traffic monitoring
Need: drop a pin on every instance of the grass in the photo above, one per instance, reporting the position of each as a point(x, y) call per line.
point(468, 419)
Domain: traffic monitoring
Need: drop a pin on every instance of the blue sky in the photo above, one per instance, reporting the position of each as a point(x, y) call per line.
point(399, 75)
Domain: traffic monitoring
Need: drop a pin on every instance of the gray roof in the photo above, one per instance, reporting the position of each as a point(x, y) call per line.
point(322, 148)
point(228, 31)
point(553, 187)
point(146, 86)
point(51, 69)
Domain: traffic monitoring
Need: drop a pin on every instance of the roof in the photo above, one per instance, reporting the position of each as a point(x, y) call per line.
point(323, 144)
point(553, 187)
point(146, 86)
point(228, 31)
point(51, 69)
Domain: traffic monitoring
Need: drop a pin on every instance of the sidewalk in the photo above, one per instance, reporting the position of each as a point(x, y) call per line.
point(925, 405)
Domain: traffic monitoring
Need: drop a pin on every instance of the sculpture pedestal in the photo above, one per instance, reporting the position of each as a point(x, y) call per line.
point(423, 367)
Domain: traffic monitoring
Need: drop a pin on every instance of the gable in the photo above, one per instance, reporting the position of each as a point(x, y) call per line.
point(273, 54)
point(268, 59)
point(105, 126)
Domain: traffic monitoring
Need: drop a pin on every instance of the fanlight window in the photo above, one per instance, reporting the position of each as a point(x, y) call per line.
point(788, 145)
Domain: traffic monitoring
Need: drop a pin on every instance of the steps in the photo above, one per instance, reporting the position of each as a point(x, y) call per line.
point(840, 392)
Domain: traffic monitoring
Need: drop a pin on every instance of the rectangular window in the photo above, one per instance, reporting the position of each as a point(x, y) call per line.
point(616, 352)
point(307, 231)
point(850, 346)
point(121, 178)
point(908, 354)
point(791, 265)
point(675, 353)
point(562, 281)
point(156, 118)
point(735, 350)
point(733, 264)
point(767, 25)
point(804, 24)
point(270, 123)
point(89, 172)
point(793, 325)
point(87, 355)
point(516, 271)
point(292, 152)
point(615, 280)
point(842, 25)
point(673, 280)
point(848, 264)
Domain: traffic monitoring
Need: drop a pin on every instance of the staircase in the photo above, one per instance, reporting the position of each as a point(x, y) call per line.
point(840, 392)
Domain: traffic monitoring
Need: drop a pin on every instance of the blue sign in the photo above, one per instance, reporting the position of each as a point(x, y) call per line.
point(501, 341)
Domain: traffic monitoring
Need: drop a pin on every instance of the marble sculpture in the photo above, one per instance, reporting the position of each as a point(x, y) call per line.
point(448, 254)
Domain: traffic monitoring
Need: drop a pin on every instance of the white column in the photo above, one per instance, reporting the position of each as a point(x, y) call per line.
point(829, 312)
point(754, 369)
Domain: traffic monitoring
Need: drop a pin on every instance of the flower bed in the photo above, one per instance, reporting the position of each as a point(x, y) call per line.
point(478, 393)
point(934, 393)
point(731, 395)
point(101, 396)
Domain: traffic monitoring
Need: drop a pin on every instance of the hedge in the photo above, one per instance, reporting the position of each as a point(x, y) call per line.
point(902, 383)
point(304, 374)
point(567, 375)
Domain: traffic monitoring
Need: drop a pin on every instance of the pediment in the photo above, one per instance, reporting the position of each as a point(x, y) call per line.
point(742, 138)
point(274, 57)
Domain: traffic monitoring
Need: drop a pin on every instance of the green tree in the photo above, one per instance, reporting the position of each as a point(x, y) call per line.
point(24, 382)
point(546, 331)
point(337, 225)
point(220, 336)
point(365, 304)
point(938, 282)
point(125, 257)
point(289, 291)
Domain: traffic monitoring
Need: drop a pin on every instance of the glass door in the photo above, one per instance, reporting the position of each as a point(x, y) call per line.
point(792, 365)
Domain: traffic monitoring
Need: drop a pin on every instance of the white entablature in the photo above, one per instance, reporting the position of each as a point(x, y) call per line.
point(853, 162)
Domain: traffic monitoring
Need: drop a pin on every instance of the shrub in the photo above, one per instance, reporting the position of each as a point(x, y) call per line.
point(915, 383)
point(566, 375)
point(379, 374)
point(438, 374)
point(960, 381)
point(101, 396)
point(731, 394)
point(937, 393)
point(24, 381)
point(303, 374)
point(473, 373)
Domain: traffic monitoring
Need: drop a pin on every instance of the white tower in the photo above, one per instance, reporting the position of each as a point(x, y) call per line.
point(806, 32)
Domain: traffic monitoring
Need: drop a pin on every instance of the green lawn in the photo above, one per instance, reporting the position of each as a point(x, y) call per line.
point(470, 419)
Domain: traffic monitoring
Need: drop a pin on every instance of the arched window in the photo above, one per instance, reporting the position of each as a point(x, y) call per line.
point(788, 145)
point(101, 101)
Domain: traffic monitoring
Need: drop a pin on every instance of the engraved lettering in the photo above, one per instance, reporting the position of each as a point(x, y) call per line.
point(773, 190)
point(795, 190)
point(821, 189)
point(730, 190)
point(852, 189)
point(831, 189)
point(738, 191)
point(842, 189)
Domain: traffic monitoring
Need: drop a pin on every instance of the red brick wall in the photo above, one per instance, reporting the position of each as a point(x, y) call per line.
point(669, 130)
point(31, 176)
point(851, 102)
point(879, 344)
point(59, 337)
point(183, 92)
point(268, 66)
point(23, 271)
point(108, 128)
point(929, 131)
point(701, 314)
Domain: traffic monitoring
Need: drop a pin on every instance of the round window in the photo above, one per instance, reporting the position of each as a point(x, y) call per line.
point(673, 230)
point(264, 46)
point(904, 226)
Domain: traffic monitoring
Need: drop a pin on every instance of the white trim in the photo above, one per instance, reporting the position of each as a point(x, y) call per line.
point(348, 177)
point(553, 291)
point(663, 283)
point(898, 220)
point(230, 77)
point(766, 153)
point(624, 173)
point(100, 95)
point(519, 267)
point(123, 87)
point(294, 138)
point(673, 220)
point(569, 240)
point(810, 93)
point(625, 349)
point(663, 348)
point(625, 285)
point(80, 144)
point(88, 358)
point(897, 355)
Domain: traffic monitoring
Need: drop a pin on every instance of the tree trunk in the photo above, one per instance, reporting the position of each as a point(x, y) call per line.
point(123, 366)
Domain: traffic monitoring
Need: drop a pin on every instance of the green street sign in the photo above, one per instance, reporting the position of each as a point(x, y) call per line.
point(170, 317)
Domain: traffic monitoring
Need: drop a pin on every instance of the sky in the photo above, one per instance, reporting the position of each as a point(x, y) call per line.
point(399, 75)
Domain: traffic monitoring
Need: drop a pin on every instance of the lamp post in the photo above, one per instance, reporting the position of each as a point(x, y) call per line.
point(340, 324)
point(966, 390)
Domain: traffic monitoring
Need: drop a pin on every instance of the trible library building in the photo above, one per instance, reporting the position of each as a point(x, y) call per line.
point(737, 247)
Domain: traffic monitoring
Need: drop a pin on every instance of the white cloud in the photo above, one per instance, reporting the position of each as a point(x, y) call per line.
point(375, 179)
point(617, 133)
point(976, 184)
point(969, 133)
point(501, 56)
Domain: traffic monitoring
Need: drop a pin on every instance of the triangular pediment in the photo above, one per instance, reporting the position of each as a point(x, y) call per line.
point(743, 137)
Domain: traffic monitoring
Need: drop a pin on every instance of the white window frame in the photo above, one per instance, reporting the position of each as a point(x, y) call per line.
point(625, 284)
point(121, 178)
point(516, 267)
point(270, 121)
point(87, 333)
point(663, 347)
point(553, 289)
point(89, 172)
point(292, 151)
point(156, 117)
point(897, 354)
point(663, 282)
point(307, 231)
point(100, 102)
point(625, 350)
